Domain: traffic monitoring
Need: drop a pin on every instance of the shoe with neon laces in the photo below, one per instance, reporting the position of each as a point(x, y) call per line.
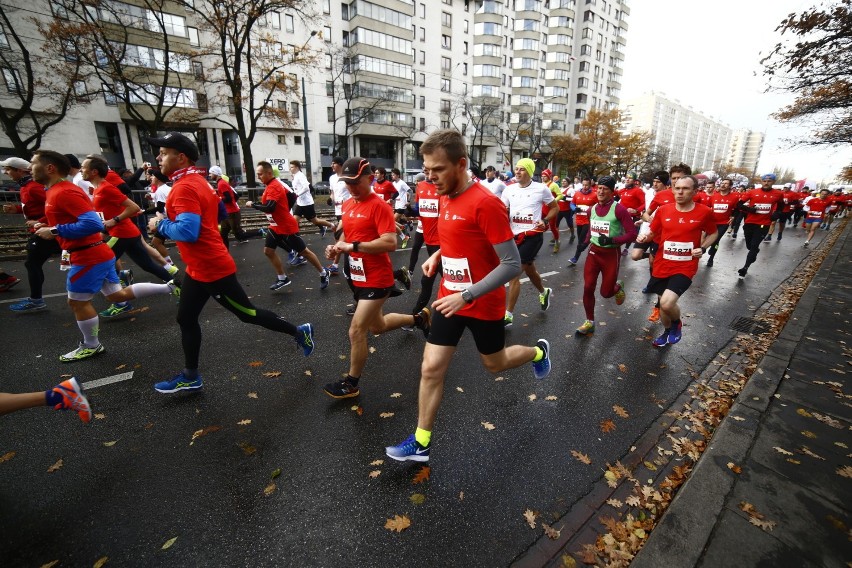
point(82, 352)
point(542, 368)
point(555, 247)
point(174, 288)
point(408, 450)
point(425, 321)
point(508, 319)
point(663, 340)
point(324, 278)
point(404, 276)
point(544, 299)
point(28, 305)
point(73, 399)
point(621, 294)
point(8, 283)
point(655, 315)
point(405, 240)
point(172, 269)
point(116, 310)
point(676, 333)
point(125, 277)
point(305, 338)
point(178, 383)
point(278, 284)
point(587, 328)
point(342, 389)
point(323, 231)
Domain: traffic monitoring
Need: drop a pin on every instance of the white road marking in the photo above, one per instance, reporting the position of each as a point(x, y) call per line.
point(543, 274)
point(61, 295)
point(108, 380)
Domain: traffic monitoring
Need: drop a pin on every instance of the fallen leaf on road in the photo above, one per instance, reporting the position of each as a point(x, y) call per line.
point(377, 462)
point(633, 501)
point(550, 397)
point(255, 364)
point(7, 456)
point(808, 452)
point(568, 561)
point(845, 471)
point(499, 378)
point(247, 448)
point(203, 432)
point(841, 444)
point(782, 451)
point(275, 473)
point(100, 562)
point(245, 422)
point(532, 397)
point(120, 367)
point(398, 523)
point(488, 425)
point(619, 410)
point(50, 564)
point(581, 457)
point(607, 426)
point(652, 374)
point(269, 489)
point(110, 444)
point(396, 395)
point(168, 544)
point(308, 372)
point(765, 525)
point(735, 468)
point(795, 462)
point(611, 478)
point(272, 374)
point(417, 498)
point(375, 473)
point(649, 465)
point(459, 389)
point(803, 412)
point(614, 503)
point(55, 467)
point(461, 495)
point(551, 532)
point(622, 367)
point(100, 416)
point(357, 409)
point(530, 516)
point(252, 395)
point(738, 418)
point(342, 357)
point(422, 475)
point(386, 414)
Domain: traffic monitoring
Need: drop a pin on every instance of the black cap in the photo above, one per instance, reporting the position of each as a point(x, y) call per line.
point(353, 168)
point(73, 161)
point(179, 142)
point(159, 175)
point(607, 181)
point(337, 160)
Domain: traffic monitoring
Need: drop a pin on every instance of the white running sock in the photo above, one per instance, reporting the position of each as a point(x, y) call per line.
point(145, 289)
point(89, 328)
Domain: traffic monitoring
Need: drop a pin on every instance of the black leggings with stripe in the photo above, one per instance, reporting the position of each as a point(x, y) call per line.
point(230, 295)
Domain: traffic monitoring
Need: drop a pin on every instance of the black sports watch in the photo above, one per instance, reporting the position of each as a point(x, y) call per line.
point(355, 245)
point(54, 231)
point(703, 250)
point(467, 296)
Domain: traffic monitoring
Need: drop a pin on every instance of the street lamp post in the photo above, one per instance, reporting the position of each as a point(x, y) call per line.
point(308, 161)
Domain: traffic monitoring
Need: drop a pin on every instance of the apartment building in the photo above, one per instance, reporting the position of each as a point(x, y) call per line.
point(687, 135)
point(508, 73)
point(746, 146)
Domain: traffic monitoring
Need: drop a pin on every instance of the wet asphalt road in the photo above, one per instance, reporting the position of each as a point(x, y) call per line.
point(125, 500)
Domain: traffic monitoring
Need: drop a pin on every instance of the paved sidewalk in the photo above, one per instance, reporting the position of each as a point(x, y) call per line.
point(789, 432)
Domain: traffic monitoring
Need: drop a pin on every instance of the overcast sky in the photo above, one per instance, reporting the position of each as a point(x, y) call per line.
point(680, 47)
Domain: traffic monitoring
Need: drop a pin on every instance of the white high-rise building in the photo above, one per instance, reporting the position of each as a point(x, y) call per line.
point(746, 146)
point(688, 136)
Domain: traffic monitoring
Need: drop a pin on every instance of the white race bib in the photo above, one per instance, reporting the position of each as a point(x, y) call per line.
point(356, 269)
point(456, 274)
point(599, 227)
point(522, 223)
point(763, 208)
point(269, 218)
point(428, 207)
point(582, 210)
point(680, 252)
point(814, 214)
point(720, 208)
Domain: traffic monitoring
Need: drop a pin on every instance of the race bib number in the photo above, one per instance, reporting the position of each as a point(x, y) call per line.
point(522, 223)
point(269, 218)
point(763, 208)
point(456, 274)
point(582, 210)
point(428, 207)
point(356, 269)
point(814, 214)
point(679, 252)
point(599, 228)
point(720, 208)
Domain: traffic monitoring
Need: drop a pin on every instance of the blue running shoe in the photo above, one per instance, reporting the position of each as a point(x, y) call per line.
point(333, 269)
point(408, 450)
point(324, 278)
point(676, 333)
point(663, 340)
point(28, 305)
point(305, 338)
point(125, 277)
point(291, 257)
point(542, 368)
point(178, 383)
point(299, 261)
point(323, 231)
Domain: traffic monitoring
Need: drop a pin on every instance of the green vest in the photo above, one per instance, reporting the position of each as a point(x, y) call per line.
point(606, 225)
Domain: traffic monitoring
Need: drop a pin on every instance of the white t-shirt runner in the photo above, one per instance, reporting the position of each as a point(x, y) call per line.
point(496, 186)
point(403, 194)
point(339, 193)
point(525, 204)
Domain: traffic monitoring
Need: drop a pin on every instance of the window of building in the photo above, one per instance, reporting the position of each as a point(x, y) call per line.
point(445, 105)
point(422, 10)
point(422, 124)
point(446, 63)
point(589, 16)
point(282, 139)
point(465, 48)
point(447, 2)
point(446, 41)
point(422, 79)
point(464, 70)
point(580, 114)
point(13, 81)
point(445, 85)
point(422, 102)
point(108, 138)
point(326, 6)
point(446, 19)
point(294, 110)
point(329, 114)
point(109, 95)
point(445, 124)
point(582, 82)
point(422, 58)
point(4, 41)
point(329, 88)
point(422, 34)
point(582, 99)
point(198, 70)
point(274, 19)
point(297, 140)
point(289, 25)
point(585, 49)
point(585, 66)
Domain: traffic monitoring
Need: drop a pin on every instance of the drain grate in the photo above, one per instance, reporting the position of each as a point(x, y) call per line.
point(750, 325)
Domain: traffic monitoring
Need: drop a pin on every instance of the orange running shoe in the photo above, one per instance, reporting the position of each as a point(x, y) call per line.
point(73, 399)
point(655, 315)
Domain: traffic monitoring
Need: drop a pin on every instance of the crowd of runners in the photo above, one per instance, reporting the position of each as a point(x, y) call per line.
point(481, 237)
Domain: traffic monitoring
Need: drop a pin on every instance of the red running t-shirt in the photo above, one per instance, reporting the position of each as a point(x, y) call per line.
point(723, 206)
point(583, 202)
point(108, 203)
point(817, 208)
point(633, 198)
point(469, 227)
point(790, 199)
point(766, 202)
point(663, 197)
point(427, 205)
point(385, 189)
point(206, 259)
point(33, 198)
point(281, 221)
point(365, 221)
point(678, 233)
point(223, 188)
point(65, 203)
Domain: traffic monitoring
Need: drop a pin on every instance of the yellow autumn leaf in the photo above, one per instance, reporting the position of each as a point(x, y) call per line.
point(245, 422)
point(377, 462)
point(55, 467)
point(269, 489)
point(396, 395)
point(308, 372)
point(550, 397)
point(417, 498)
point(100, 562)
point(532, 397)
point(375, 473)
point(252, 395)
point(386, 414)
point(529, 516)
point(110, 444)
point(488, 425)
point(398, 523)
point(7, 456)
point(168, 544)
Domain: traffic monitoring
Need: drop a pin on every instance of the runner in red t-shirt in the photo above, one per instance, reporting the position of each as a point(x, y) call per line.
point(723, 203)
point(369, 234)
point(73, 222)
point(791, 197)
point(479, 256)
point(116, 210)
point(283, 228)
point(583, 200)
point(233, 223)
point(765, 205)
point(427, 200)
point(193, 218)
point(684, 231)
point(816, 214)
